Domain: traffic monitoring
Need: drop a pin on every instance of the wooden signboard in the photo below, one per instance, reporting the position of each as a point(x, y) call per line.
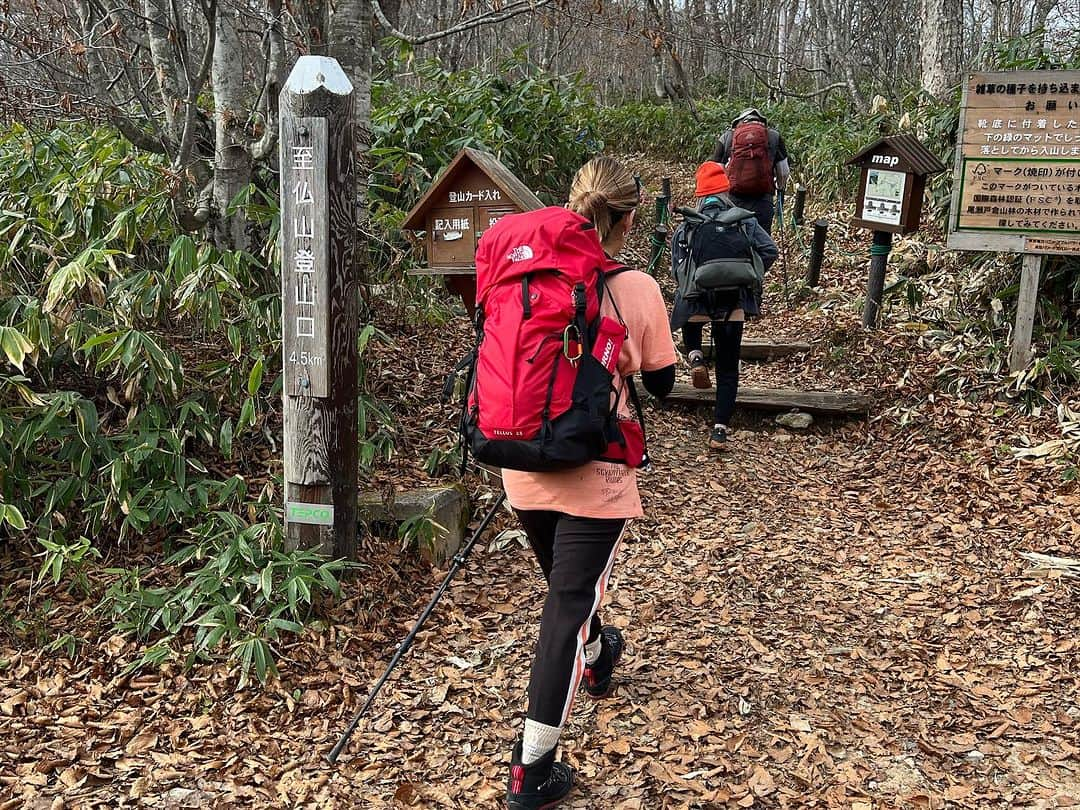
point(1017, 181)
point(320, 307)
point(304, 269)
point(473, 193)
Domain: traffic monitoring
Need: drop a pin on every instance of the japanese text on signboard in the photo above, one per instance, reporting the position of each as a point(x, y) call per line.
point(304, 271)
point(1019, 161)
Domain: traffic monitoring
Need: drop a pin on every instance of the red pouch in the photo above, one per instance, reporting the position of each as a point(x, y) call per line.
point(631, 451)
point(608, 344)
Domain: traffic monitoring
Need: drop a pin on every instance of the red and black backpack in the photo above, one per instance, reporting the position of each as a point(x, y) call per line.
point(749, 166)
point(540, 382)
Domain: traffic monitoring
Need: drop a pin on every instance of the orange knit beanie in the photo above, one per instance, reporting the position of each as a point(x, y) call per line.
point(711, 179)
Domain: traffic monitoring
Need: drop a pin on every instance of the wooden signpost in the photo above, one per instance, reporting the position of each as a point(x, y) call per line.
point(1017, 177)
point(891, 185)
point(320, 308)
point(468, 197)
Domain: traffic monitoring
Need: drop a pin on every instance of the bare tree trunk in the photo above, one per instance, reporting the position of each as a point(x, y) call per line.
point(159, 34)
point(1041, 13)
point(940, 45)
point(313, 17)
point(232, 161)
point(696, 28)
point(836, 26)
point(781, 48)
point(392, 10)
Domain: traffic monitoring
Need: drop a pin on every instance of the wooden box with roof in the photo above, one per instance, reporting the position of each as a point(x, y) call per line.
point(469, 196)
point(894, 172)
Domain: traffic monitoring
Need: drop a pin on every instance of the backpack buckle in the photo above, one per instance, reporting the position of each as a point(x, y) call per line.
point(572, 344)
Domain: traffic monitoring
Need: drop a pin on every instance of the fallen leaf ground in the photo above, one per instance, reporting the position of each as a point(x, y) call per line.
point(834, 618)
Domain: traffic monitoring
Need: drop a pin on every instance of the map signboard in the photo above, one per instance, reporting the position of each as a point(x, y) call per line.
point(884, 198)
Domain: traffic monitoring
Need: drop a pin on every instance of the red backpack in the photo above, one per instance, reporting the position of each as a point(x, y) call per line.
point(749, 167)
point(539, 393)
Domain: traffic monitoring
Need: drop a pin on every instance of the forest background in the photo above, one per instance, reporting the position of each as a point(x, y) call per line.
point(140, 370)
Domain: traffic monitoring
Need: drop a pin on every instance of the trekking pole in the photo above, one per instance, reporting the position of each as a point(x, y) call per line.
point(783, 249)
point(403, 647)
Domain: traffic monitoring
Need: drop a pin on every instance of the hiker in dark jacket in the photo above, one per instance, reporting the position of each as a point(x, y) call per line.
point(725, 309)
point(760, 180)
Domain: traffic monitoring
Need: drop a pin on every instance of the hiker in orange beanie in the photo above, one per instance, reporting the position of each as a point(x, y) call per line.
point(719, 254)
point(711, 179)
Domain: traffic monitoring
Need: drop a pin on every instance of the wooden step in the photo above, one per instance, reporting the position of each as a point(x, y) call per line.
point(822, 403)
point(762, 351)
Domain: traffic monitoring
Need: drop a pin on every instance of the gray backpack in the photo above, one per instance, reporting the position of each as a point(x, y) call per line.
point(718, 253)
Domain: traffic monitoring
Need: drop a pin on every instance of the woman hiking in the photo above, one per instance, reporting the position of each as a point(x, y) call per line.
point(574, 519)
point(726, 309)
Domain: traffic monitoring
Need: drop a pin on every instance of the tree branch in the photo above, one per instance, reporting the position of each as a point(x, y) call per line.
point(275, 67)
point(131, 130)
point(487, 18)
point(195, 83)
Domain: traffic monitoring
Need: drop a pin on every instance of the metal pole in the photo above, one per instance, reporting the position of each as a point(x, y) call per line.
point(658, 240)
point(800, 205)
point(879, 259)
point(782, 237)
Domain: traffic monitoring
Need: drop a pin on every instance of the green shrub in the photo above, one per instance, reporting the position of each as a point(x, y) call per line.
point(133, 361)
point(541, 126)
point(239, 588)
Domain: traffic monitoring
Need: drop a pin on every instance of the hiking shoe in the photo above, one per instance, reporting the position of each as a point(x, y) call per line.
point(597, 678)
point(718, 439)
point(699, 372)
point(541, 784)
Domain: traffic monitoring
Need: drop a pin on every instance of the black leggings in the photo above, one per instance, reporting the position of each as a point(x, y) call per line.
point(576, 555)
point(727, 344)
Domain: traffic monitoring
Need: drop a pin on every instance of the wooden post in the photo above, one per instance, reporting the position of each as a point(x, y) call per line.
point(817, 253)
point(800, 205)
point(320, 307)
point(1020, 352)
point(875, 287)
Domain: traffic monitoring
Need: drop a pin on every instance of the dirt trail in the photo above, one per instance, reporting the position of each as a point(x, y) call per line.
point(816, 620)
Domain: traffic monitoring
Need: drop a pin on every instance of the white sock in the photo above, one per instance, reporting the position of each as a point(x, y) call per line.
point(592, 652)
point(718, 426)
point(537, 741)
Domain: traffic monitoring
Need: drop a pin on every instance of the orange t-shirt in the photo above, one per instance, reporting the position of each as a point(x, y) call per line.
point(602, 489)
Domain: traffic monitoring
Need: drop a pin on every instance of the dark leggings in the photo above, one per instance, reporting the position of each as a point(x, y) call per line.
point(576, 555)
point(727, 344)
point(764, 208)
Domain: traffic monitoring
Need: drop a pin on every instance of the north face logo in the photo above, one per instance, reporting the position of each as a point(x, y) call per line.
point(520, 254)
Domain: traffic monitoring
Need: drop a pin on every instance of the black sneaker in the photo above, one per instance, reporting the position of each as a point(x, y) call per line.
point(597, 678)
point(541, 784)
point(718, 439)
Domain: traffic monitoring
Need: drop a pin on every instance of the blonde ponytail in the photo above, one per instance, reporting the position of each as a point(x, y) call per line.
point(603, 191)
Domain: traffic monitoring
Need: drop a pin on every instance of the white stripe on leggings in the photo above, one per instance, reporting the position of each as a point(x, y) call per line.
point(583, 633)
